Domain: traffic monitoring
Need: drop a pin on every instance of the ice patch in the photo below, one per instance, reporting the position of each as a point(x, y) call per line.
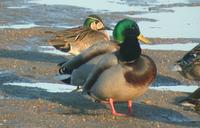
point(176, 47)
point(49, 87)
point(103, 5)
point(19, 26)
point(51, 50)
point(172, 1)
point(178, 88)
point(17, 7)
point(184, 22)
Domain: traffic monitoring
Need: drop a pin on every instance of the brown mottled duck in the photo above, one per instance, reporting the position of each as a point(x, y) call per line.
point(75, 40)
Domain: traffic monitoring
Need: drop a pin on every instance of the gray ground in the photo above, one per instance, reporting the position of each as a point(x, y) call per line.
point(23, 107)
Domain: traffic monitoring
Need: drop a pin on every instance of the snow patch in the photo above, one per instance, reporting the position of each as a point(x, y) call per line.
point(17, 7)
point(19, 26)
point(51, 50)
point(178, 88)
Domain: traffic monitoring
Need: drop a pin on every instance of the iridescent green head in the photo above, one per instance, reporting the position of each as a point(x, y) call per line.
point(120, 31)
point(94, 22)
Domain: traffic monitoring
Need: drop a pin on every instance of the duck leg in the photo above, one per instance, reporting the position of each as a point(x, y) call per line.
point(129, 107)
point(113, 108)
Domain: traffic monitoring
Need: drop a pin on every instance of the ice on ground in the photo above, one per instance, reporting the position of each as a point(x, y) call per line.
point(17, 7)
point(101, 5)
point(51, 50)
point(175, 47)
point(178, 88)
point(19, 26)
point(49, 87)
point(59, 88)
point(172, 1)
point(184, 22)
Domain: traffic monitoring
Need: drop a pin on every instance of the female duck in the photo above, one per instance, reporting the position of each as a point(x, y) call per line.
point(123, 75)
point(189, 67)
point(77, 39)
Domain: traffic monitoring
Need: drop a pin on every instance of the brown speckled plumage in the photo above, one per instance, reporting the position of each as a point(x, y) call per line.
point(75, 40)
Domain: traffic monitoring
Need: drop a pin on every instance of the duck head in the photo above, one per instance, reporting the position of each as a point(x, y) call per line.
point(127, 34)
point(124, 29)
point(95, 23)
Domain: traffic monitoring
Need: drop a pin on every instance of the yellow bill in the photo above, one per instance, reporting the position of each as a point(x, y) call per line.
point(143, 39)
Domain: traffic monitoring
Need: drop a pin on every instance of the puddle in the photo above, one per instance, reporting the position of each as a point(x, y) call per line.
point(178, 88)
point(51, 50)
point(19, 26)
point(182, 23)
point(49, 87)
point(175, 47)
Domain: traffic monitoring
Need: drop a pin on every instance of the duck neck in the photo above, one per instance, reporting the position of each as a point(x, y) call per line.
point(130, 49)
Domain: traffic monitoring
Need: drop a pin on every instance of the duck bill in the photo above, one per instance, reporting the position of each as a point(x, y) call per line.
point(143, 39)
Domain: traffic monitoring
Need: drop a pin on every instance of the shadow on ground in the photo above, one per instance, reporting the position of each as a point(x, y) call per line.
point(80, 104)
point(31, 56)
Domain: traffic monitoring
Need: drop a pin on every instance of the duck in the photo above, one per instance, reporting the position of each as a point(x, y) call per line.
point(189, 67)
point(123, 75)
point(81, 65)
point(75, 40)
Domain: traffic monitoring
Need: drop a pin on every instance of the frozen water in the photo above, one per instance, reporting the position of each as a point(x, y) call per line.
point(171, 1)
point(17, 7)
point(176, 47)
point(49, 87)
point(19, 26)
point(184, 22)
point(178, 88)
point(100, 5)
point(51, 50)
point(54, 87)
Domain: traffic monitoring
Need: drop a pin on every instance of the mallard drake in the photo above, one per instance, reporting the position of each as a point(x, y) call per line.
point(189, 67)
point(81, 65)
point(75, 40)
point(125, 74)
